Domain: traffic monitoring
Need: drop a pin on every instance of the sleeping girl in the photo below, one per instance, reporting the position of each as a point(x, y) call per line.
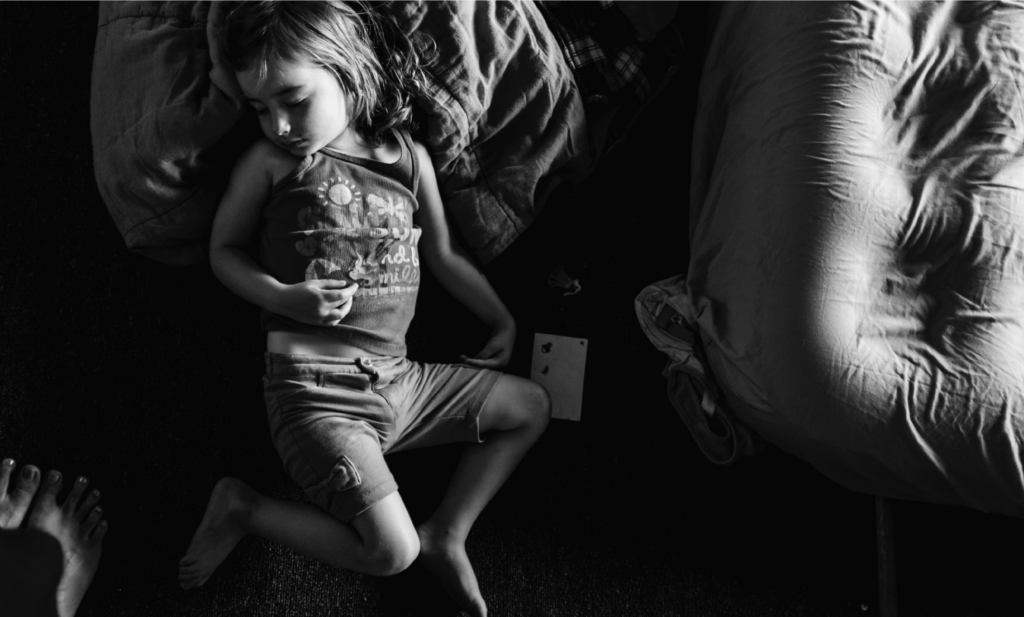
point(345, 205)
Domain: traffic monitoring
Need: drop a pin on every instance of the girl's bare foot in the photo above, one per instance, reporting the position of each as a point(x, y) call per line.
point(222, 527)
point(14, 506)
point(78, 527)
point(444, 554)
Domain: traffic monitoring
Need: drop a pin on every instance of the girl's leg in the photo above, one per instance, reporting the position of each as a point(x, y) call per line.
point(380, 541)
point(513, 418)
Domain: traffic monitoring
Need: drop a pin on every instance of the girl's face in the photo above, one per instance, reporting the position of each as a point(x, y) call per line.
point(301, 106)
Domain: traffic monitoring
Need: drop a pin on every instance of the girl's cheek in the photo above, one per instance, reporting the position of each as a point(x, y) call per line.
point(269, 129)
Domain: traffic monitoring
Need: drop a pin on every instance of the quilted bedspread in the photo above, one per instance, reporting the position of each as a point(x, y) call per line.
point(857, 233)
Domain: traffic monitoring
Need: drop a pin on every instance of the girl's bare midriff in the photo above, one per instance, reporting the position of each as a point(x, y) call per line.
point(312, 345)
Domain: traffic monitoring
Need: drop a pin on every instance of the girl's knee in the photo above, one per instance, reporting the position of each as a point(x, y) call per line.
point(516, 403)
point(533, 404)
point(390, 541)
point(540, 404)
point(394, 556)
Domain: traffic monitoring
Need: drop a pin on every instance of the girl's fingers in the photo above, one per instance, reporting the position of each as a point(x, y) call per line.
point(339, 296)
point(495, 362)
point(331, 283)
point(489, 352)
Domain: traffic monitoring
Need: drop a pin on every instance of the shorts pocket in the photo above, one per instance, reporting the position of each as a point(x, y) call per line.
point(352, 381)
point(344, 475)
point(283, 388)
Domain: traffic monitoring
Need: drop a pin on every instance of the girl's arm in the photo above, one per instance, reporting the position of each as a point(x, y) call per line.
point(318, 302)
point(458, 272)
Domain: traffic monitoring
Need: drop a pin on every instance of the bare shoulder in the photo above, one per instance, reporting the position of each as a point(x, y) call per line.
point(426, 164)
point(422, 154)
point(263, 158)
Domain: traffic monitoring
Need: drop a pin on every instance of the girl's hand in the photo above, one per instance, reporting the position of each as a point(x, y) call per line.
point(498, 350)
point(319, 302)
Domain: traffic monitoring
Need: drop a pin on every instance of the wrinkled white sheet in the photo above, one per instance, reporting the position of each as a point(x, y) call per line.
point(857, 234)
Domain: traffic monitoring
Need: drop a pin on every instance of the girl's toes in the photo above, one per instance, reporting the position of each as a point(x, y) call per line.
point(71, 503)
point(91, 499)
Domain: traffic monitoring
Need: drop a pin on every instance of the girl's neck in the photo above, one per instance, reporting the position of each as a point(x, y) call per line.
point(352, 144)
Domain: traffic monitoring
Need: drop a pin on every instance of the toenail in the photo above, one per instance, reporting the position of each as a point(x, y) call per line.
point(96, 494)
point(28, 473)
point(54, 476)
point(98, 510)
point(8, 462)
point(82, 480)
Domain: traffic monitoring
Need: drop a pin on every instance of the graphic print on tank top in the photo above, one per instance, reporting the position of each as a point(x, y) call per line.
point(366, 239)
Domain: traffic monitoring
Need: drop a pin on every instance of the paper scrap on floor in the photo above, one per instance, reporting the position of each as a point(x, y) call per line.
point(558, 365)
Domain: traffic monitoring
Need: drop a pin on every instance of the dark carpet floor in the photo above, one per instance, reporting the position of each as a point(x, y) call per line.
point(146, 378)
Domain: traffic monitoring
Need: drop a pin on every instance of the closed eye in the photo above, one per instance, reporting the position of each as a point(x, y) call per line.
point(296, 103)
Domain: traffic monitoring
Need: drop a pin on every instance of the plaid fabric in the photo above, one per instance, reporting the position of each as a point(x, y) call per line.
point(613, 67)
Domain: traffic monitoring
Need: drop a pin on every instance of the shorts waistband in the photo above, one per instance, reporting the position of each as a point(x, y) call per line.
point(291, 365)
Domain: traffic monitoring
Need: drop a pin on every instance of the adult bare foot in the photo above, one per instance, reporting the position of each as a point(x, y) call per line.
point(223, 525)
point(444, 554)
point(13, 506)
point(78, 526)
point(30, 561)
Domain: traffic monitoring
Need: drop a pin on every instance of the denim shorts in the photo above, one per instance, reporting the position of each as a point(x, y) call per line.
point(333, 419)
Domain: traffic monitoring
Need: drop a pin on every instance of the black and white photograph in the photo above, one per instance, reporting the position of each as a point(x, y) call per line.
point(524, 308)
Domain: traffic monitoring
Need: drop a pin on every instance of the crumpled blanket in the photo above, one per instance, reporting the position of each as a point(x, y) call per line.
point(665, 315)
point(857, 240)
point(505, 122)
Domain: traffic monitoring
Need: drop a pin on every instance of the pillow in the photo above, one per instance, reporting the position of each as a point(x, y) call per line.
point(505, 122)
point(159, 127)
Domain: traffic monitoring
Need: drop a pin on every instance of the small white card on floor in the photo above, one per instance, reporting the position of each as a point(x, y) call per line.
point(558, 364)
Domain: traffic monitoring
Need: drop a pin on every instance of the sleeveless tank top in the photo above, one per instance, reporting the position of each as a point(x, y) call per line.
point(348, 218)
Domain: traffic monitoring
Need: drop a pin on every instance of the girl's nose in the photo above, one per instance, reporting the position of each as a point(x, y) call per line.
point(281, 124)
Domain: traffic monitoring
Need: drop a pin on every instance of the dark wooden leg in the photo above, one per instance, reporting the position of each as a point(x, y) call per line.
point(886, 558)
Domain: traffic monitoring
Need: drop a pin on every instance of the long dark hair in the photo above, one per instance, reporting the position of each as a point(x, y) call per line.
point(374, 61)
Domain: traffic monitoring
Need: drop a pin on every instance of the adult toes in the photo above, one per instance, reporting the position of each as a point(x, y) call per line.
point(91, 521)
point(51, 486)
point(14, 507)
point(71, 503)
point(99, 532)
point(27, 484)
point(25, 488)
point(87, 504)
point(5, 474)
